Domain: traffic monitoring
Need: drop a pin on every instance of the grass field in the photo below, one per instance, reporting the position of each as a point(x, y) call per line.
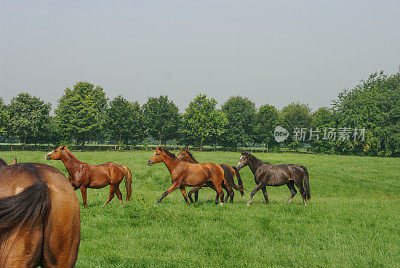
point(353, 217)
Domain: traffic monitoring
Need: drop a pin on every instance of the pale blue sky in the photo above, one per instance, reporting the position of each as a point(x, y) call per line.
point(273, 52)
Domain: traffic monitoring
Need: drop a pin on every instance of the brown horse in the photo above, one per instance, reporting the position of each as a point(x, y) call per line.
point(266, 174)
point(229, 173)
point(39, 217)
point(185, 174)
point(83, 175)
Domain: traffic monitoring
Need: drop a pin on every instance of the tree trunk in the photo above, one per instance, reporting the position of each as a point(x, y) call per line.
point(159, 141)
point(119, 142)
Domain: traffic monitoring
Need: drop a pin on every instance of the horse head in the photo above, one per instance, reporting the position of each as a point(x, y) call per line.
point(56, 154)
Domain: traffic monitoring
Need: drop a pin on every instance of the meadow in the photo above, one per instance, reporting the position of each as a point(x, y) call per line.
point(352, 220)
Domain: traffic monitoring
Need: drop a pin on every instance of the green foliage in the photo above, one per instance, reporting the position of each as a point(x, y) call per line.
point(29, 118)
point(375, 105)
point(124, 121)
point(80, 113)
point(4, 118)
point(241, 115)
point(295, 115)
point(162, 119)
point(266, 120)
point(324, 121)
point(202, 123)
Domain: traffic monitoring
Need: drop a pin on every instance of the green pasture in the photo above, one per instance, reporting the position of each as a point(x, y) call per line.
point(352, 220)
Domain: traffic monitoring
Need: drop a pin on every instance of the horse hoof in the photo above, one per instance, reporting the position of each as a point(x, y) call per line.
point(222, 204)
point(248, 204)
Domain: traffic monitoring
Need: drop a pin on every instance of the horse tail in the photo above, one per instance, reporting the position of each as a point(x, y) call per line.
point(128, 183)
point(239, 179)
point(229, 178)
point(30, 206)
point(306, 182)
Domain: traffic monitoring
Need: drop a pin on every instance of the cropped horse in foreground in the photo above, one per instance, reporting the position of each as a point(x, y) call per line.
point(227, 184)
point(39, 217)
point(185, 174)
point(83, 175)
point(266, 174)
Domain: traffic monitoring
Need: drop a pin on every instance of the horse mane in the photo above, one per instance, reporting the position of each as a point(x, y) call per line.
point(253, 158)
point(167, 152)
point(190, 154)
point(3, 163)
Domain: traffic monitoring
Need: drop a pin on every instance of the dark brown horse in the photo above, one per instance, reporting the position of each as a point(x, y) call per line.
point(266, 174)
point(229, 173)
point(185, 174)
point(39, 217)
point(83, 175)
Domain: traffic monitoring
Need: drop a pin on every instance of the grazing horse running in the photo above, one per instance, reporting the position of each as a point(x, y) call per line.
point(39, 217)
point(266, 174)
point(185, 174)
point(83, 175)
point(229, 173)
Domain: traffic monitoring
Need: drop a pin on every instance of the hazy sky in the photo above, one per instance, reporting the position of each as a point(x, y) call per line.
point(273, 52)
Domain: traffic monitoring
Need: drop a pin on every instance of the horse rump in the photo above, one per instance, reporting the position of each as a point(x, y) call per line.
point(24, 209)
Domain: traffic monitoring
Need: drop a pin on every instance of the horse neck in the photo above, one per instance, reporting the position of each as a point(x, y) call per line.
point(71, 163)
point(255, 163)
point(170, 162)
point(191, 160)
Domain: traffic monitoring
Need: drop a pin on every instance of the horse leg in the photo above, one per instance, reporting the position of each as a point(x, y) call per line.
point(84, 196)
point(111, 196)
point(119, 195)
point(183, 191)
point(220, 193)
point(167, 192)
point(196, 196)
point(264, 190)
point(229, 191)
point(293, 191)
point(193, 190)
point(302, 192)
point(259, 186)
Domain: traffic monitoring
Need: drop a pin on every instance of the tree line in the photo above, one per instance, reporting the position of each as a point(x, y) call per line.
point(84, 114)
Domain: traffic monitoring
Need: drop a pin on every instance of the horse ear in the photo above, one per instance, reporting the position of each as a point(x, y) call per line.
point(157, 148)
point(62, 148)
point(186, 150)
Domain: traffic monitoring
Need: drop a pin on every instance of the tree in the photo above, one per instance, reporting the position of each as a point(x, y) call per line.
point(202, 123)
point(374, 104)
point(266, 121)
point(4, 118)
point(81, 112)
point(29, 118)
point(323, 121)
point(162, 118)
point(124, 121)
point(241, 114)
point(295, 115)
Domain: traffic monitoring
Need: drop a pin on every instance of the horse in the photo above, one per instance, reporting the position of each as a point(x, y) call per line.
point(185, 174)
point(83, 175)
point(4, 163)
point(266, 174)
point(229, 173)
point(39, 217)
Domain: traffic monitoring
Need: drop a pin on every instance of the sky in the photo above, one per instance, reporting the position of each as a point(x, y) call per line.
point(273, 52)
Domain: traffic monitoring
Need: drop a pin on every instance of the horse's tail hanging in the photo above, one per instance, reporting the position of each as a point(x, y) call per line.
point(128, 183)
point(239, 179)
point(306, 182)
point(30, 206)
point(229, 177)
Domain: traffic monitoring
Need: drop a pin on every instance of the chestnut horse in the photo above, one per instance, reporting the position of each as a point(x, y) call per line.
point(185, 174)
point(39, 217)
point(83, 175)
point(266, 174)
point(229, 173)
